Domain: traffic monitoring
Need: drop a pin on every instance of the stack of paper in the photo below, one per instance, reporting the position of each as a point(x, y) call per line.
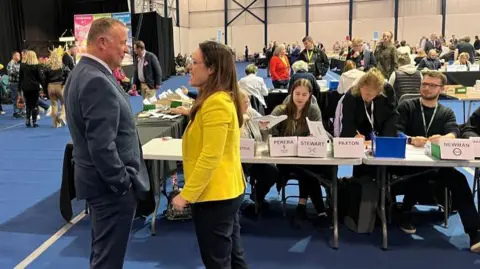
point(272, 120)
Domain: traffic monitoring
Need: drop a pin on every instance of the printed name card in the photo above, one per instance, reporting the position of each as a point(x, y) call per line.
point(348, 147)
point(476, 146)
point(474, 67)
point(283, 146)
point(247, 148)
point(310, 146)
point(452, 149)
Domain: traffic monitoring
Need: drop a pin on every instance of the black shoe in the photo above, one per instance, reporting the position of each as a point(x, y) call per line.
point(406, 224)
point(35, 125)
point(475, 243)
point(300, 218)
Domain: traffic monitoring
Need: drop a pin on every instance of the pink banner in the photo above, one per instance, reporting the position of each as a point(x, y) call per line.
point(82, 26)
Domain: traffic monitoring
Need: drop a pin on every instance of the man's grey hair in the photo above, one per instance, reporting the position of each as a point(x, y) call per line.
point(300, 66)
point(101, 27)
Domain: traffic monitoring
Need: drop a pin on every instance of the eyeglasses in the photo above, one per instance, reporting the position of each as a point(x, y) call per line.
point(430, 85)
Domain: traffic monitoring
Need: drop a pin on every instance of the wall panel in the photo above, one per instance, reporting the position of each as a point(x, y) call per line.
point(327, 32)
point(463, 7)
point(411, 29)
point(364, 28)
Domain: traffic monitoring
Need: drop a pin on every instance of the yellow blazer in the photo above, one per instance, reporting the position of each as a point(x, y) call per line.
point(211, 152)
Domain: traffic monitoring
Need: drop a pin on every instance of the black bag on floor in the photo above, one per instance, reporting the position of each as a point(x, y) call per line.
point(359, 198)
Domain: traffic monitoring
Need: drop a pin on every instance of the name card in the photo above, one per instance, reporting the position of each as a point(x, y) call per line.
point(247, 148)
point(283, 146)
point(452, 149)
point(310, 146)
point(348, 147)
point(476, 146)
point(474, 67)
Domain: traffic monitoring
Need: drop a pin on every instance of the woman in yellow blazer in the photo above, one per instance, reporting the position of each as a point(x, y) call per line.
point(214, 181)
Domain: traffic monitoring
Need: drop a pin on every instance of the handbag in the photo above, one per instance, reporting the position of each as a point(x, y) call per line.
point(20, 102)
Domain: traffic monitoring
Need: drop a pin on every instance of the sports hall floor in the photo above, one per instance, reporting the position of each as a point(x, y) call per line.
point(30, 176)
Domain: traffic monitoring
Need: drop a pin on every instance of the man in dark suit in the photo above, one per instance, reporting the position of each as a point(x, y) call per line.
point(148, 73)
point(69, 57)
point(109, 170)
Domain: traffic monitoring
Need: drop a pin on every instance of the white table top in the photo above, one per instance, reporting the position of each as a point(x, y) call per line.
point(417, 157)
point(171, 150)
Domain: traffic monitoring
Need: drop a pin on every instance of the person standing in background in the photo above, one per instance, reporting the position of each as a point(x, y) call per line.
point(386, 55)
point(70, 57)
point(148, 73)
point(316, 59)
point(110, 173)
point(29, 81)
point(214, 180)
point(13, 71)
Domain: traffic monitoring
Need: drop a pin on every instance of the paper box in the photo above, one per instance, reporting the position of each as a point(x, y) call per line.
point(348, 147)
point(247, 148)
point(283, 146)
point(476, 146)
point(451, 149)
point(310, 146)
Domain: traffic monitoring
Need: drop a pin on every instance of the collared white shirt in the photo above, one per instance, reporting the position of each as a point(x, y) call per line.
point(140, 64)
point(255, 86)
point(98, 60)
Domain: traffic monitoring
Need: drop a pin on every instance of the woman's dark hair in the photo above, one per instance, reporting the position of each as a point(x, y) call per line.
point(291, 108)
point(219, 58)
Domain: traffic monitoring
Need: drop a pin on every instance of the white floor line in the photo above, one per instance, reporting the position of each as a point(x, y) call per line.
point(35, 254)
point(11, 126)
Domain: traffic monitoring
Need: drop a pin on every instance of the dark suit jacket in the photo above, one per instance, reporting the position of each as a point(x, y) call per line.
point(151, 71)
point(68, 61)
point(107, 154)
point(384, 113)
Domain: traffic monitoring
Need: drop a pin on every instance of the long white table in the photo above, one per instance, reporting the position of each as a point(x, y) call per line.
point(171, 150)
point(414, 157)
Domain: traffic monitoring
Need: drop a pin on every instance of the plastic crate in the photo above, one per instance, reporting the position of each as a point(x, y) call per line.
point(389, 147)
point(333, 85)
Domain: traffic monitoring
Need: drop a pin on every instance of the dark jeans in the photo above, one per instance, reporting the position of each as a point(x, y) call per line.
point(265, 176)
point(217, 228)
point(308, 183)
point(455, 181)
point(280, 84)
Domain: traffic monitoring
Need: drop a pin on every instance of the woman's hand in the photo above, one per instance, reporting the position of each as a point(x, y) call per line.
point(179, 203)
point(181, 110)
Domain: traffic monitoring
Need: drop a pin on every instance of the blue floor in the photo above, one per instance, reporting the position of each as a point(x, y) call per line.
point(30, 176)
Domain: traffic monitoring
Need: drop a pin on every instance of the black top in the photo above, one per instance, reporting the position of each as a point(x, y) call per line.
point(30, 77)
point(468, 48)
point(472, 127)
point(410, 120)
point(384, 115)
point(318, 64)
point(307, 76)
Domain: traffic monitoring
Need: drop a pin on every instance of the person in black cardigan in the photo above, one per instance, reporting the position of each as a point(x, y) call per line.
point(316, 58)
point(30, 78)
point(369, 107)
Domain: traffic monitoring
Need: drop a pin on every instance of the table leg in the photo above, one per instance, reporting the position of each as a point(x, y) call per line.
point(157, 201)
point(464, 114)
point(469, 110)
point(381, 174)
point(335, 206)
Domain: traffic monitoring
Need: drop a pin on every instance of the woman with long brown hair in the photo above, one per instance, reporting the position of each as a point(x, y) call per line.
point(214, 181)
point(298, 108)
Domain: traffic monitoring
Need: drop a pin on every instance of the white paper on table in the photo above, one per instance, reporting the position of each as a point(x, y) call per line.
point(146, 102)
point(272, 120)
point(170, 117)
point(474, 67)
point(316, 128)
point(181, 94)
point(284, 90)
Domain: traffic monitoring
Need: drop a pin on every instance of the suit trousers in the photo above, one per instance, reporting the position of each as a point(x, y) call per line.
point(111, 217)
point(218, 233)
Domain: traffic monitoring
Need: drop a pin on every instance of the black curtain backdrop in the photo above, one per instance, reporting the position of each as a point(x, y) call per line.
point(45, 22)
point(11, 29)
point(157, 34)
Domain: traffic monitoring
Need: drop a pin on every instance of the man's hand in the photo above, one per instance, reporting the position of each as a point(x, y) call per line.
point(434, 138)
point(419, 141)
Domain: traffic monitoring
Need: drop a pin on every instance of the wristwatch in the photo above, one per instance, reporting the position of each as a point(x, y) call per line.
point(409, 140)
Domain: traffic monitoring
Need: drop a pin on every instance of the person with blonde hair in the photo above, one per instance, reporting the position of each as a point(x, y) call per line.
point(254, 85)
point(30, 78)
point(55, 77)
point(361, 56)
point(349, 76)
point(369, 107)
point(463, 59)
point(280, 68)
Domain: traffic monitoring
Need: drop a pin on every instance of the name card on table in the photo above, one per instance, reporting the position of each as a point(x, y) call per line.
point(310, 146)
point(474, 67)
point(451, 149)
point(283, 146)
point(476, 146)
point(348, 147)
point(247, 148)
